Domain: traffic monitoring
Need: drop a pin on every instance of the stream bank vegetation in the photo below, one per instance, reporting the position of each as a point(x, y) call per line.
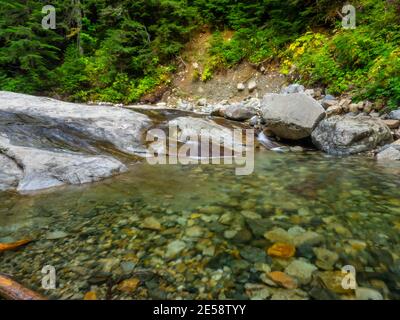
point(125, 50)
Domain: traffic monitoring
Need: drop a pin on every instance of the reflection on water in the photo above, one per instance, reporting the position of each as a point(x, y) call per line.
point(202, 232)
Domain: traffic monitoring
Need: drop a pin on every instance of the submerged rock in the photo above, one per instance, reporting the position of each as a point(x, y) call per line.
point(284, 294)
point(283, 279)
point(326, 259)
point(174, 248)
point(368, 294)
point(295, 235)
point(194, 232)
point(253, 255)
point(278, 235)
point(333, 280)
point(242, 236)
point(129, 285)
point(301, 270)
point(257, 291)
point(55, 235)
point(323, 294)
point(226, 218)
point(258, 227)
point(127, 266)
point(151, 223)
point(281, 250)
point(343, 135)
point(292, 116)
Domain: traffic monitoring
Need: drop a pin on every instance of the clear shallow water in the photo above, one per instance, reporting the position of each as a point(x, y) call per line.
point(211, 230)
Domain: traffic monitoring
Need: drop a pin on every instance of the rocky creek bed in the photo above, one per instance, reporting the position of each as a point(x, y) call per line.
point(190, 232)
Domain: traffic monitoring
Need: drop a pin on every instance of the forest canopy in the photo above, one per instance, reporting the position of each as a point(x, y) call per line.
point(118, 51)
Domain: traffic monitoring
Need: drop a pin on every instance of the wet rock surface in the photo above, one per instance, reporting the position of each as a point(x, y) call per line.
point(343, 135)
point(47, 143)
point(120, 127)
point(44, 169)
point(291, 116)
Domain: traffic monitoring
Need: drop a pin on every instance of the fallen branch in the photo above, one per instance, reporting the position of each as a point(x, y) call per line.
point(12, 290)
point(14, 245)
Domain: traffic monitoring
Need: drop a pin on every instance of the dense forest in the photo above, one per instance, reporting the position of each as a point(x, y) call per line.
point(118, 51)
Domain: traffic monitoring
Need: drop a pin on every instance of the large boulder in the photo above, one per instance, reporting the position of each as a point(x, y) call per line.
point(291, 116)
point(344, 135)
point(31, 169)
point(47, 143)
point(119, 127)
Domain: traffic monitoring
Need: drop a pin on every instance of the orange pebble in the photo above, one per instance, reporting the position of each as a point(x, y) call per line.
point(91, 295)
point(282, 250)
point(283, 279)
